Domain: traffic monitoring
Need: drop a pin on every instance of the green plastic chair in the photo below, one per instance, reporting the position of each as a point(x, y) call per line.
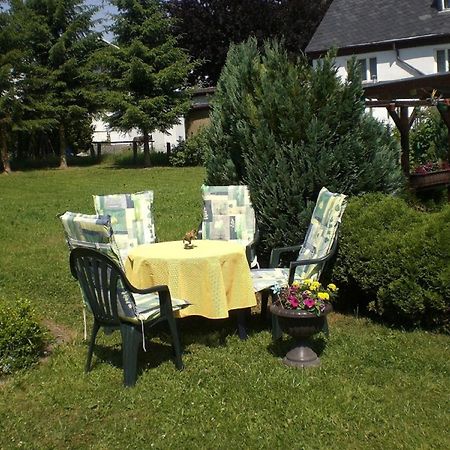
point(95, 233)
point(131, 218)
point(317, 249)
point(228, 215)
point(111, 299)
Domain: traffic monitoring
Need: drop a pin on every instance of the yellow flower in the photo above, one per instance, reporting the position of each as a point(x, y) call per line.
point(314, 285)
point(307, 281)
point(332, 287)
point(323, 296)
point(296, 283)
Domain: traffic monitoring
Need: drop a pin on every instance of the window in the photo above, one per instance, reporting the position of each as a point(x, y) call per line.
point(442, 60)
point(368, 68)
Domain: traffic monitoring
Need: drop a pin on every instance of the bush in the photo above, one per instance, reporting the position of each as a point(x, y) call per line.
point(190, 152)
point(429, 139)
point(22, 339)
point(287, 129)
point(395, 261)
point(126, 159)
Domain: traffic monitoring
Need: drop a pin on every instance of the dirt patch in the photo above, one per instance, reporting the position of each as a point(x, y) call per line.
point(61, 334)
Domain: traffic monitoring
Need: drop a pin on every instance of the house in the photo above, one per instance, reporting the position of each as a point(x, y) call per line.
point(391, 39)
point(160, 140)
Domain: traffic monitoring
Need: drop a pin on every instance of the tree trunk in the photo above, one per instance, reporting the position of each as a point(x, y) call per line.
point(146, 150)
point(62, 147)
point(4, 150)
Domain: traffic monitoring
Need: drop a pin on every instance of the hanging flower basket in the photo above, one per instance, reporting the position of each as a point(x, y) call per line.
point(430, 179)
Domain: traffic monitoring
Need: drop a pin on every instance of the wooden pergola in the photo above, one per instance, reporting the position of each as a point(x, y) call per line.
point(400, 95)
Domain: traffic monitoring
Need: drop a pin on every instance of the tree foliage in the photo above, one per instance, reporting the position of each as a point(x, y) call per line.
point(287, 129)
point(208, 27)
point(146, 72)
point(52, 88)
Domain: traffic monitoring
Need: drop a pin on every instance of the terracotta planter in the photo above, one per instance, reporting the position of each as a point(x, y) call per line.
point(300, 325)
point(429, 180)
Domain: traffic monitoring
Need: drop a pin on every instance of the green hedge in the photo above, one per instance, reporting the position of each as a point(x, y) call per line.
point(396, 261)
point(190, 152)
point(22, 339)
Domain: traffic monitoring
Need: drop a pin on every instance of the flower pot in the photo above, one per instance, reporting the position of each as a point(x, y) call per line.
point(300, 325)
point(429, 180)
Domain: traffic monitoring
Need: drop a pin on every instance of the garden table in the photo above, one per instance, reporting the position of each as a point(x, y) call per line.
point(214, 275)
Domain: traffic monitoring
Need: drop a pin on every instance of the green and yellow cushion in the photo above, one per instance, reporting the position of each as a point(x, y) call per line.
point(322, 230)
point(228, 214)
point(319, 238)
point(131, 218)
point(91, 231)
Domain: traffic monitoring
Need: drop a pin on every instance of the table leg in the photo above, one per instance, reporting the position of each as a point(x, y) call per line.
point(241, 317)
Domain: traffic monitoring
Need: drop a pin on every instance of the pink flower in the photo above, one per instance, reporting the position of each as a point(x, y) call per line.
point(309, 302)
point(293, 301)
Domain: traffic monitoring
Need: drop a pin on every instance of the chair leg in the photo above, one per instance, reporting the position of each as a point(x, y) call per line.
point(95, 328)
point(175, 342)
point(131, 337)
point(276, 330)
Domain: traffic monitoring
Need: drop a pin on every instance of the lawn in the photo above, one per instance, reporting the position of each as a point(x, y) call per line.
point(377, 387)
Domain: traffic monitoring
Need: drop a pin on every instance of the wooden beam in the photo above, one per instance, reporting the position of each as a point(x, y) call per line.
point(397, 103)
point(403, 124)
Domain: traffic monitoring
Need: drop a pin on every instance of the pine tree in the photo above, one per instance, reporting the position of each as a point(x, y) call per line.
point(146, 71)
point(60, 79)
point(8, 54)
point(287, 129)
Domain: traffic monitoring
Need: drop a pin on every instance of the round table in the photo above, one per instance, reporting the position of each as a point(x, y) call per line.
point(214, 275)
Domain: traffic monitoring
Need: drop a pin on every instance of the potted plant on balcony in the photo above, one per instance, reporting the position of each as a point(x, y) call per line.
point(301, 310)
point(430, 175)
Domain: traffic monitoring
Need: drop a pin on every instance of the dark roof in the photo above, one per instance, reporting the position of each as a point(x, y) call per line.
point(353, 23)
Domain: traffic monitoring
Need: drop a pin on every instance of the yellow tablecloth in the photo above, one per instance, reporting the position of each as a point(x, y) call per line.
point(214, 276)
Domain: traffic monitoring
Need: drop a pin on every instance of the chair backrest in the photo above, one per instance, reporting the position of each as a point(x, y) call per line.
point(131, 218)
point(322, 231)
point(228, 214)
point(90, 231)
point(103, 285)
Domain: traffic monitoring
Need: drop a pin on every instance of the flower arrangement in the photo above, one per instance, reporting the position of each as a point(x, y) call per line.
point(305, 295)
point(432, 167)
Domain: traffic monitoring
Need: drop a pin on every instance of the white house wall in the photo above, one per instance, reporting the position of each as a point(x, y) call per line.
point(389, 68)
point(102, 133)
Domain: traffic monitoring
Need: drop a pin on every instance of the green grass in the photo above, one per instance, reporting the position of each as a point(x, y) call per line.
point(377, 388)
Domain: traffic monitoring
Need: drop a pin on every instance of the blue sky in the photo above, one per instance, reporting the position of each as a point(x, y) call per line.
point(106, 9)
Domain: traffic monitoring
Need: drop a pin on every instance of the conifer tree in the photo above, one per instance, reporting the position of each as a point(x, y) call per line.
point(60, 78)
point(20, 34)
point(8, 54)
point(287, 129)
point(146, 70)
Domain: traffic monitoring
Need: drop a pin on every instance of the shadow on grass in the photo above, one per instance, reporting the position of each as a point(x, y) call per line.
point(53, 163)
point(280, 347)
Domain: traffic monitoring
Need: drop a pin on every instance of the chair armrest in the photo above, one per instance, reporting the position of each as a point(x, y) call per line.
point(250, 248)
point(305, 262)
point(276, 253)
point(165, 299)
point(157, 288)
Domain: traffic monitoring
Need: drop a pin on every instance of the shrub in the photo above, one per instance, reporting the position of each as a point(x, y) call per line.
point(22, 339)
point(396, 261)
point(429, 139)
point(126, 159)
point(287, 129)
point(190, 152)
